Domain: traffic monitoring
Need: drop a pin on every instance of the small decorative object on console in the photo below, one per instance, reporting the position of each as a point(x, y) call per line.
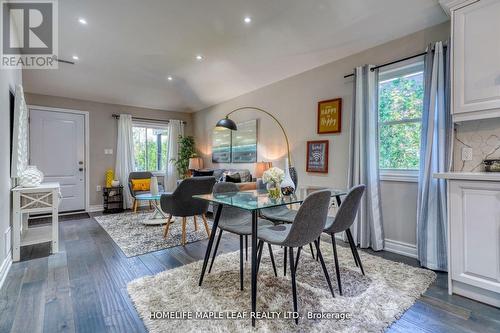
point(31, 177)
point(110, 175)
point(114, 183)
point(492, 165)
point(287, 185)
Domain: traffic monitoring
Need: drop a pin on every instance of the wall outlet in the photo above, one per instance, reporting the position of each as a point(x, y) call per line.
point(98, 188)
point(466, 154)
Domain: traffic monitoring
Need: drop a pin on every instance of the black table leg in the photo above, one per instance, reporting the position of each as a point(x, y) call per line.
point(254, 264)
point(210, 243)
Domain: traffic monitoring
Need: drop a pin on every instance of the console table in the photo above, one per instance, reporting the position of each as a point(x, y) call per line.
point(40, 199)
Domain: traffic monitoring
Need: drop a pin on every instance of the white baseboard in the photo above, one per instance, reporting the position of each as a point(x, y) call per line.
point(405, 249)
point(5, 267)
point(95, 208)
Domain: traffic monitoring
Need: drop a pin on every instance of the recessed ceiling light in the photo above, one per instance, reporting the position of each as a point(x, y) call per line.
point(75, 57)
point(247, 19)
point(82, 20)
point(199, 57)
point(170, 78)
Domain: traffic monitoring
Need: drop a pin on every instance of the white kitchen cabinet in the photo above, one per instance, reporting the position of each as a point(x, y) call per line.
point(474, 235)
point(475, 59)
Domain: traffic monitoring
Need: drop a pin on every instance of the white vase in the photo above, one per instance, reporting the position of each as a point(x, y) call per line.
point(287, 185)
point(115, 183)
point(153, 187)
point(31, 177)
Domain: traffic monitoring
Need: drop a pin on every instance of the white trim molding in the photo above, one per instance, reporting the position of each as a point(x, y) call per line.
point(402, 248)
point(6, 264)
point(95, 208)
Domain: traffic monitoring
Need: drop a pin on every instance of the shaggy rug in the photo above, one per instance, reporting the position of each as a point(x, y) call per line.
point(135, 238)
point(370, 303)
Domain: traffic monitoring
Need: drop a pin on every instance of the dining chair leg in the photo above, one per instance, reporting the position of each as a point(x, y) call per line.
point(352, 245)
point(312, 250)
point(167, 226)
point(319, 244)
point(246, 247)
point(337, 268)
point(195, 223)
point(207, 228)
point(355, 251)
point(272, 259)
point(284, 261)
point(297, 259)
point(215, 250)
point(325, 271)
point(294, 284)
point(259, 255)
point(183, 231)
point(241, 262)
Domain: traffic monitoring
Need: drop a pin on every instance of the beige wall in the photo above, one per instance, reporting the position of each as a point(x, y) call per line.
point(294, 102)
point(103, 130)
point(8, 80)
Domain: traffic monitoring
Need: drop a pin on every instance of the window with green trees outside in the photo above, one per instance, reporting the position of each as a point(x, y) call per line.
point(400, 103)
point(150, 147)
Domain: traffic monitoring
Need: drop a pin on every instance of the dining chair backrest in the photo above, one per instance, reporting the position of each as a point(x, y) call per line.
point(346, 214)
point(185, 204)
point(310, 219)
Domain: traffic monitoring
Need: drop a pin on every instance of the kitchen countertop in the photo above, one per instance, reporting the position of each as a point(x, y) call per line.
point(488, 176)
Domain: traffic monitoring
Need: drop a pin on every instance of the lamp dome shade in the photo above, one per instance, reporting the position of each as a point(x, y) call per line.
point(227, 123)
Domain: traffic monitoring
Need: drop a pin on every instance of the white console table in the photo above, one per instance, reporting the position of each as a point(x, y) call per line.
point(41, 199)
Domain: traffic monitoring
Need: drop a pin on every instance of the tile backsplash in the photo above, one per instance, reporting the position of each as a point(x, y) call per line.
point(483, 136)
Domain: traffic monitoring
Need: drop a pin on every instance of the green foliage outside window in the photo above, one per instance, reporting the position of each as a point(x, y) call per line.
point(400, 111)
point(150, 148)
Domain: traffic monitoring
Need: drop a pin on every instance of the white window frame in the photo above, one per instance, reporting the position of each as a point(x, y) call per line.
point(393, 71)
point(155, 125)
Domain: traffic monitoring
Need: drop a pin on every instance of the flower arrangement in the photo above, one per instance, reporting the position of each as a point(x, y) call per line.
point(273, 177)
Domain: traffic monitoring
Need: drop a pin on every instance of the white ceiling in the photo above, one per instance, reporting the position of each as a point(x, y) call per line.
point(129, 47)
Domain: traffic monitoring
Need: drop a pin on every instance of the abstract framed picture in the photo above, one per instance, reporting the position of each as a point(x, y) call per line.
point(244, 143)
point(317, 156)
point(330, 116)
point(221, 145)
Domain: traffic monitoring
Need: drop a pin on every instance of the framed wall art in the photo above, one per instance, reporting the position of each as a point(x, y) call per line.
point(330, 116)
point(317, 156)
point(244, 143)
point(221, 145)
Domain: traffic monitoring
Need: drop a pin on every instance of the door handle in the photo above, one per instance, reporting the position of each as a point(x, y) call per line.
point(80, 169)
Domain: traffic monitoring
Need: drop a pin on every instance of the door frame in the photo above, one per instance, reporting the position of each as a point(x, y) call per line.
point(86, 132)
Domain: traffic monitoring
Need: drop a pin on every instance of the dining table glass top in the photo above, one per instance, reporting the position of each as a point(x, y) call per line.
point(259, 199)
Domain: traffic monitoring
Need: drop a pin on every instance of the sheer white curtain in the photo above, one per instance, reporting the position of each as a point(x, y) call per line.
point(125, 156)
point(435, 156)
point(175, 129)
point(367, 230)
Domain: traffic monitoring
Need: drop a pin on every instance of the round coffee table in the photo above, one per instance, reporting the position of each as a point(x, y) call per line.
point(158, 217)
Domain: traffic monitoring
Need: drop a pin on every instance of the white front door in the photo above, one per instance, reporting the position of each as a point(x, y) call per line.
point(57, 148)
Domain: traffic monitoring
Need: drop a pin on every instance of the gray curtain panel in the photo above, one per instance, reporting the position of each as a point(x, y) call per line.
point(363, 160)
point(435, 156)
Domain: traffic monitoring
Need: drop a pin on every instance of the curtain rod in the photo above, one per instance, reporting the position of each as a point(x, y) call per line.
point(393, 62)
point(117, 116)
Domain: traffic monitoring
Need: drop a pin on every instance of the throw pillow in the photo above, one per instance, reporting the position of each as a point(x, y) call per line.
point(234, 178)
point(201, 173)
point(141, 184)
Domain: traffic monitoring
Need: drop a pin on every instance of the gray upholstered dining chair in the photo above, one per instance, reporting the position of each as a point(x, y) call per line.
point(342, 221)
point(306, 228)
point(236, 221)
point(182, 204)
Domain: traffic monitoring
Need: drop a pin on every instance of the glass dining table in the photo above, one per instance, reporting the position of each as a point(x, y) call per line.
point(254, 201)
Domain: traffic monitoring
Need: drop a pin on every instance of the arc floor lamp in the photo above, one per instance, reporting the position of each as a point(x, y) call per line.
point(231, 125)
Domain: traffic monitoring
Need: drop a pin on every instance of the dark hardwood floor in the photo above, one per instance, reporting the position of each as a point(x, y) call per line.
point(83, 288)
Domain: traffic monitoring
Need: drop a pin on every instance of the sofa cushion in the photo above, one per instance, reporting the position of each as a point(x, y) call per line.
point(234, 178)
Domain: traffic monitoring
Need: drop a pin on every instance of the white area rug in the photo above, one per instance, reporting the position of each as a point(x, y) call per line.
point(372, 302)
point(135, 238)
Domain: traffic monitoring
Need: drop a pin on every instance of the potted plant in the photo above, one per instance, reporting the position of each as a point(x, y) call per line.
point(186, 151)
